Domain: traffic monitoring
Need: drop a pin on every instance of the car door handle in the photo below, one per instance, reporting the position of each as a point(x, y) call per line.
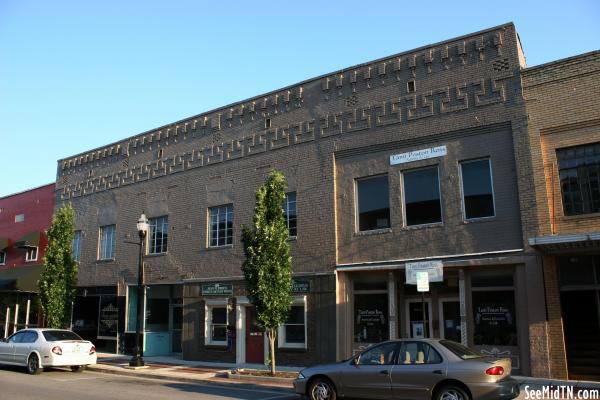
point(439, 372)
point(385, 372)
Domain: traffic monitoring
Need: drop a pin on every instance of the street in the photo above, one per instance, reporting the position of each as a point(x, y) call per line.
point(60, 384)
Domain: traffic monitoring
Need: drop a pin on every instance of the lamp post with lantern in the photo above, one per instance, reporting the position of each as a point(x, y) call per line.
point(138, 358)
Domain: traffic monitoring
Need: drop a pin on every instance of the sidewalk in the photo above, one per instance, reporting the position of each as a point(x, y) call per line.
point(172, 368)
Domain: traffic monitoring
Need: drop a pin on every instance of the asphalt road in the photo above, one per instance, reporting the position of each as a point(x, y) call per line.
point(58, 384)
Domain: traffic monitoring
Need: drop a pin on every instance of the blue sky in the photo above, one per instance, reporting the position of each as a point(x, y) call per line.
point(75, 75)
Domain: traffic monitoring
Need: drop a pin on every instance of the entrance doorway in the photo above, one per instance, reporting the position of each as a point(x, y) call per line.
point(417, 328)
point(255, 342)
point(450, 319)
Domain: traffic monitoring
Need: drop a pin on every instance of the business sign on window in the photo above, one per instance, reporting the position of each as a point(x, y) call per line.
point(300, 286)
point(108, 318)
point(417, 155)
point(217, 289)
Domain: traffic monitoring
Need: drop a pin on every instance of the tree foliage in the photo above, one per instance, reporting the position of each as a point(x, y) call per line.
point(268, 265)
point(59, 276)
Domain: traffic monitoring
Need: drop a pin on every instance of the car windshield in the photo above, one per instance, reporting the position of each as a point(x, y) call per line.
point(55, 336)
point(461, 351)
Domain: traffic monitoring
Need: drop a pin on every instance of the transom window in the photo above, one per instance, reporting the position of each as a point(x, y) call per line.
point(579, 171)
point(76, 245)
point(220, 232)
point(107, 242)
point(478, 193)
point(293, 332)
point(289, 210)
point(373, 203)
point(31, 254)
point(159, 233)
point(422, 196)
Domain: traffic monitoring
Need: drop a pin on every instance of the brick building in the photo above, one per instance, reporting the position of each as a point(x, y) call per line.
point(24, 219)
point(563, 106)
point(414, 160)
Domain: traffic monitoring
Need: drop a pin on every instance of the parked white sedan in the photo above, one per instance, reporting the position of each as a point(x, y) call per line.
point(39, 348)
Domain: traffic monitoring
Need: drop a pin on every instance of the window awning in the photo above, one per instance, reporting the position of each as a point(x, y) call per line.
point(30, 240)
point(566, 243)
point(20, 279)
point(3, 244)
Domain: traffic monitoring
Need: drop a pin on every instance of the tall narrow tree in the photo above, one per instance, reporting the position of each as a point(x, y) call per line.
point(268, 265)
point(59, 276)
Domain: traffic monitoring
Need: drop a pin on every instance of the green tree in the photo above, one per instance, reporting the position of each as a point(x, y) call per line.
point(59, 276)
point(268, 265)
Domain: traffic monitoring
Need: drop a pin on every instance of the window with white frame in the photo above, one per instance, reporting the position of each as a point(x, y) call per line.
point(76, 245)
point(292, 334)
point(159, 233)
point(31, 253)
point(220, 230)
point(107, 242)
point(2, 257)
point(477, 189)
point(289, 209)
point(215, 324)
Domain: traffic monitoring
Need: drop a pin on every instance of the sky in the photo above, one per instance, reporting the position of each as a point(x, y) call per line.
point(76, 75)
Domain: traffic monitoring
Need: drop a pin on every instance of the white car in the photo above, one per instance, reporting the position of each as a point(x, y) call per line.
point(39, 348)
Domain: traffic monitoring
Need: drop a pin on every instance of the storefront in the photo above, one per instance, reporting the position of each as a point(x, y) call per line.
point(472, 305)
point(96, 316)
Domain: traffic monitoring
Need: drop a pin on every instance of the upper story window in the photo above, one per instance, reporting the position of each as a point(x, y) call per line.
point(477, 189)
point(31, 254)
point(107, 242)
point(422, 201)
point(19, 217)
point(373, 203)
point(159, 233)
point(579, 170)
point(220, 232)
point(289, 209)
point(76, 245)
point(2, 257)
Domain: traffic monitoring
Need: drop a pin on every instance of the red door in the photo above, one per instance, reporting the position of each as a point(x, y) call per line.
point(255, 345)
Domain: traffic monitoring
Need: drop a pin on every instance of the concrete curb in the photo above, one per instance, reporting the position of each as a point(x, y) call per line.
point(266, 379)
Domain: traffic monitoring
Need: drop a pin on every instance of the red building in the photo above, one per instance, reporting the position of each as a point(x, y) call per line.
point(24, 219)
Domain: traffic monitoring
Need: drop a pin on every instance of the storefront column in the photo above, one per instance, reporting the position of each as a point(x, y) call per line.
point(392, 306)
point(463, 307)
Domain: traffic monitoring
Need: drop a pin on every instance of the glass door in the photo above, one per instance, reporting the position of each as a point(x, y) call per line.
point(450, 319)
point(176, 328)
point(417, 328)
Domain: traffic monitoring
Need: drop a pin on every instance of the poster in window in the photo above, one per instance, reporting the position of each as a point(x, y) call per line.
point(108, 317)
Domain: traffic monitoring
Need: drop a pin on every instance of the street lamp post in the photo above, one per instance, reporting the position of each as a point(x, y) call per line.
point(138, 358)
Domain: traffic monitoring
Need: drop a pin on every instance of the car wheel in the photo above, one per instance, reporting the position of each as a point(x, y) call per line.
point(322, 389)
point(33, 365)
point(452, 392)
point(77, 368)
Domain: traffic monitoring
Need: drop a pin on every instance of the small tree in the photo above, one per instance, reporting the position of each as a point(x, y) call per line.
point(268, 265)
point(59, 275)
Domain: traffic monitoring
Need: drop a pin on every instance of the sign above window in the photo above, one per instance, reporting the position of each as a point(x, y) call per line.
point(434, 269)
point(300, 286)
point(217, 289)
point(417, 155)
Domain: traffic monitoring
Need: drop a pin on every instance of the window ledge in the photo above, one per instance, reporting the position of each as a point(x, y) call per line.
point(293, 349)
point(373, 232)
point(476, 220)
point(424, 226)
point(110, 260)
point(292, 238)
point(226, 246)
point(216, 346)
point(155, 255)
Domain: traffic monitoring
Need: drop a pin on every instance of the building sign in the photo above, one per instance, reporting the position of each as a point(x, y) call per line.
point(300, 286)
point(493, 315)
point(422, 281)
point(217, 289)
point(417, 155)
point(370, 317)
point(434, 269)
point(108, 317)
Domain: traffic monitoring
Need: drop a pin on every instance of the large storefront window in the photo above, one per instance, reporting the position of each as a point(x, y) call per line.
point(495, 318)
point(371, 318)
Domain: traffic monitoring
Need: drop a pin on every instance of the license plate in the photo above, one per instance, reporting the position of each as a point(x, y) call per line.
point(77, 349)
